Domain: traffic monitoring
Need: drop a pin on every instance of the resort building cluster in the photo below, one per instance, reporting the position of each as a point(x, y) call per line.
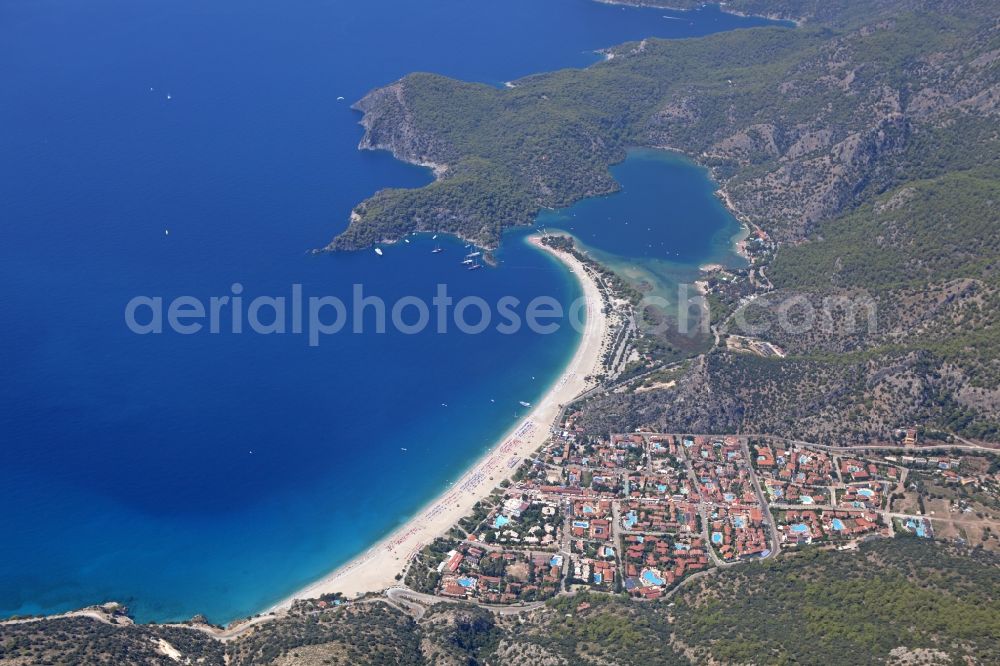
point(640, 512)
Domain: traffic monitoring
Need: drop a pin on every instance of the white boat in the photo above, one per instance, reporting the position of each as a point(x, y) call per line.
point(340, 99)
point(473, 254)
point(378, 251)
point(467, 261)
point(437, 249)
point(525, 404)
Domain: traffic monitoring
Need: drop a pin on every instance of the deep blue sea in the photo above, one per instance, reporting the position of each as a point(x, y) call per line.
point(217, 473)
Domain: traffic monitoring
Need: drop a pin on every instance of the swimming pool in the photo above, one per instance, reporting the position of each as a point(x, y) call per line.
point(716, 537)
point(581, 523)
point(739, 521)
point(651, 578)
point(806, 499)
point(866, 492)
point(799, 528)
point(919, 528)
point(838, 524)
point(500, 521)
point(467, 582)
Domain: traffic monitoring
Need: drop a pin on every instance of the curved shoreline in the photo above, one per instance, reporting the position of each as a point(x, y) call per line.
point(375, 569)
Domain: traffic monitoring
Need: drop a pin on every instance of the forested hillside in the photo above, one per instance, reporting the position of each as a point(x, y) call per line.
point(864, 142)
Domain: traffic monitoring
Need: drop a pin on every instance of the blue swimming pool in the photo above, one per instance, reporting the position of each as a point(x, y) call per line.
point(716, 537)
point(800, 528)
point(500, 521)
point(917, 527)
point(651, 578)
point(838, 524)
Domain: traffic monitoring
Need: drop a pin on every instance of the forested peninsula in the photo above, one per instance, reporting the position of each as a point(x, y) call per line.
point(862, 142)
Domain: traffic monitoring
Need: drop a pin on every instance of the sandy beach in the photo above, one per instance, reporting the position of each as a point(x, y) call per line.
point(376, 569)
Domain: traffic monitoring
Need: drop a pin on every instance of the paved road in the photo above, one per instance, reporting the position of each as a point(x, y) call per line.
point(407, 597)
point(768, 518)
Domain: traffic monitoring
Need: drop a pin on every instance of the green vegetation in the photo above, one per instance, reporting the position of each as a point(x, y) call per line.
point(840, 608)
point(864, 142)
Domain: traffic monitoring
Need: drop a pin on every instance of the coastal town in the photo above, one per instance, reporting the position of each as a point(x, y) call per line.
point(639, 513)
point(555, 510)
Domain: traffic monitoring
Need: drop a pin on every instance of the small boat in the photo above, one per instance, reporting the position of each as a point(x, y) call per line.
point(475, 267)
point(434, 237)
point(166, 232)
point(402, 448)
point(340, 99)
point(473, 254)
point(406, 240)
point(525, 404)
point(437, 249)
point(467, 261)
point(378, 251)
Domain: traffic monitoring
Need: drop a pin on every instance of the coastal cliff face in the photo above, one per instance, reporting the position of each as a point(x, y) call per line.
point(389, 125)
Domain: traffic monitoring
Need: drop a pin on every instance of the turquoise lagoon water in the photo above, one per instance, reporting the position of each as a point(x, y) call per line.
point(661, 226)
point(217, 473)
